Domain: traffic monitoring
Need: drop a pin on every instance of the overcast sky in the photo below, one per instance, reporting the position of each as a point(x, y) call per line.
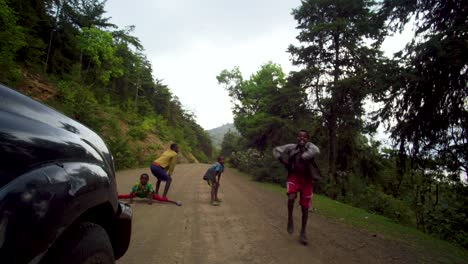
point(189, 44)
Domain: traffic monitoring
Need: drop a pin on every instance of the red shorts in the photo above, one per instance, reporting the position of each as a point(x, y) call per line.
point(155, 197)
point(126, 196)
point(303, 185)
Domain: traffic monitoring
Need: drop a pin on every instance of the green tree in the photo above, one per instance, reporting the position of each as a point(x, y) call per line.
point(99, 47)
point(70, 18)
point(12, 39)
point(339, 65)
point(135, 66)
point(428, 97)
point(426, 108)
point(86, 13)
point(161, 98)
point(261, 113)
point(36, 21)
point(231, 143)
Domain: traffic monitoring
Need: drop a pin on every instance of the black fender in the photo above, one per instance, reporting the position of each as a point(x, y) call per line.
point(38, 206)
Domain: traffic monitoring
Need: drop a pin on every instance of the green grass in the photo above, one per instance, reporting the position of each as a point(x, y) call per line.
point(359, 218)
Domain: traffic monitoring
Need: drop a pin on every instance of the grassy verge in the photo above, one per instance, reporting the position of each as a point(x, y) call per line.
point(340, 212)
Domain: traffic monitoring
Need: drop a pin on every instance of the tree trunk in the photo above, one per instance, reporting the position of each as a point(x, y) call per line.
point(401, 165)
point(49, 48)
point(136, 92)
point(81, 65)
point(332, 153)
point(332, 120)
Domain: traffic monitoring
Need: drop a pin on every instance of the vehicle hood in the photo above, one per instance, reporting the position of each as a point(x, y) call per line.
point(32, 135)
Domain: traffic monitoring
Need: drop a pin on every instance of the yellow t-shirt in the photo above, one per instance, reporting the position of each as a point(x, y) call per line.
point(168, 160)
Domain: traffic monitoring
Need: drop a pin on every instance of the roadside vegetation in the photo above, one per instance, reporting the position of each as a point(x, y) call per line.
point(419, 180)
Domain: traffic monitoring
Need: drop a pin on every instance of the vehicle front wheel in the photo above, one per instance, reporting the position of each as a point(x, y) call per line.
point(83, 243)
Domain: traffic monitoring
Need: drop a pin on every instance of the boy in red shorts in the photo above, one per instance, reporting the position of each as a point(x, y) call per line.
point(302, 170)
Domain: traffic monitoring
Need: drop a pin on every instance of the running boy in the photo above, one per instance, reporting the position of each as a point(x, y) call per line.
point(142, 189)
point(163, 167)
point(210, 177)
point(302, 169)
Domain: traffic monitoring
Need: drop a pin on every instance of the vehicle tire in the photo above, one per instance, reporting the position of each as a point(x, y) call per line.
point(83, 243)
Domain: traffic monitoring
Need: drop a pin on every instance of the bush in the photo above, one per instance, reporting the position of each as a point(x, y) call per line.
point(78, 102)
point(263, 168)
point(138, 132)
point(376, 201)
point(124, 157)
point(448, 218)
point(161, 128)
point(245, 160)
point(152, 124)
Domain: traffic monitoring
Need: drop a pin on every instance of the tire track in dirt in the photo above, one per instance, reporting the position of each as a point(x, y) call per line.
point(248, 227)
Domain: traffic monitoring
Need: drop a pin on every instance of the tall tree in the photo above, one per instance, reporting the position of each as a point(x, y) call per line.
point(70, 18)
point(428, 98)
point(12, 38)
point(338, 61)
point(261, 113)
point(86, 13)
point(35, 18)
point(99, 47)
point(232, 142)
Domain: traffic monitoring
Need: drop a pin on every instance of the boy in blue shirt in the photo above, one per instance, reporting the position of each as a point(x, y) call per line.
point(213, 176)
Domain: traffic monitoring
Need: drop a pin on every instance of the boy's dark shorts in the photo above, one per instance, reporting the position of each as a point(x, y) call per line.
point(211, 181)
point(159, 172)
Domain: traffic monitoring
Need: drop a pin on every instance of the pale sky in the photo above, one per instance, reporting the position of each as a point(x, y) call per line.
point(190, 43)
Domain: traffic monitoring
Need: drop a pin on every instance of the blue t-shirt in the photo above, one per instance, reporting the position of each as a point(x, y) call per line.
point(214, 171)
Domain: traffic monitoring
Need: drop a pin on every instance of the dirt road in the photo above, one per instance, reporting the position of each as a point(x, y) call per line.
point(248, 227)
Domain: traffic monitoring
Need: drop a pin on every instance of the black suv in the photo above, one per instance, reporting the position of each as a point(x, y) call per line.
point(58, 196)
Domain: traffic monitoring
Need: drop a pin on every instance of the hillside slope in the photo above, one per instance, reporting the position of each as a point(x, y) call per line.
point(97, 73)
point(132, 143)
point(217, 134)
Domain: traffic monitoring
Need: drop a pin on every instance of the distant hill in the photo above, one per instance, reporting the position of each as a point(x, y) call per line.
point(217, 134)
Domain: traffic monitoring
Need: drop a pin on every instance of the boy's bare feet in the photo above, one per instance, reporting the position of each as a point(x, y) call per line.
point(290, 226)
point(214, 203)
point(303, 239)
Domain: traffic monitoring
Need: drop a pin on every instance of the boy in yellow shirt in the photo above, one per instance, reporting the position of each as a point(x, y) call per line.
point(163, 167)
